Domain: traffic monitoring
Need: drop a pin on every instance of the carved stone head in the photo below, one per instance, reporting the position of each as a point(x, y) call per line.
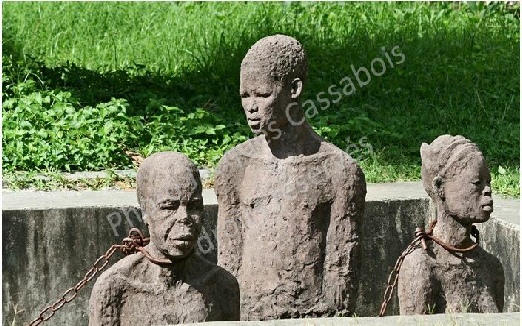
point(273, 73)
point(169, 193)
point(456, 177)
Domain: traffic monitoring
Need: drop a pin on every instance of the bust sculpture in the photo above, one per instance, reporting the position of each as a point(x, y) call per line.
point(290, 204)
point(187, 288)
point(436, 280)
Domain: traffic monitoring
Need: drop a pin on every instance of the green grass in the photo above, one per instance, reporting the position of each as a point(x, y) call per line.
point(172, 67)
point(52, 180)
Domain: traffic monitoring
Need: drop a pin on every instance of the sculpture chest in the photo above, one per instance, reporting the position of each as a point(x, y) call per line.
point(467, 284)
point(145, 304)
point(285, 214)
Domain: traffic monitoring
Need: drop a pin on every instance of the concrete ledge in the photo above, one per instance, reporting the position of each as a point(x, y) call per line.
point(440, 319)
point(50, 239)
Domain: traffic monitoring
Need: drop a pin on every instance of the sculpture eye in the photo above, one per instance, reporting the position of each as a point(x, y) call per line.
point(169, 205)
point(264, 95)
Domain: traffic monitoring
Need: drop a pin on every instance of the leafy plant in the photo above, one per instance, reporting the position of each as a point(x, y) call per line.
point(199, 134)
point(172, 82)
point(44, 130)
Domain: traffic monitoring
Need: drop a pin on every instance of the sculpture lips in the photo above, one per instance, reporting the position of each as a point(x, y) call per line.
point(487, 208)
point(182, 241)
point(254, 122)
point(184, 237)
point(487, 205)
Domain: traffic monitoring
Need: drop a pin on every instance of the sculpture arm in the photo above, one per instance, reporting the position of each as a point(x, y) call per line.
point(416, 286)
point(231, 301)
point(229, 227)
point(498, 285)
point(104, 304)
point(342, 252)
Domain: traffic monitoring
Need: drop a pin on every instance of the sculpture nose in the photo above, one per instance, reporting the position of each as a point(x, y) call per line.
point(252, 106)
point(487, 191)
point(182, 216)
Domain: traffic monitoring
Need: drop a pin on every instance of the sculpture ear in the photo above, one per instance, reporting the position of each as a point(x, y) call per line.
point(297, 88)
point(438, 187)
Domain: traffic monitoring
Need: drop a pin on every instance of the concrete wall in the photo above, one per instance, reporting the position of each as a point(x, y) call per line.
point(502, 239)
point(47, 250)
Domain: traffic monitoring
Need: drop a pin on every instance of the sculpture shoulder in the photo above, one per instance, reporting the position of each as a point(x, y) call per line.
point(336, 153)
point(221, 287)
point(245, 150)
point(226, 278)
point(214, 273)
point(416, 283)
point(418, 261)
point(234, 160)
point(108, 290)
point(125, 268)
point(497, 266)
point(483, 259)
point(342, 165)
point(111, 284)
point(481, 253)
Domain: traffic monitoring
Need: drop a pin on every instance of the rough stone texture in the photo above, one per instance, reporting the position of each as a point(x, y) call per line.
point(290, 204)
point(77, 227)
point(188, 288)
point(435, 280)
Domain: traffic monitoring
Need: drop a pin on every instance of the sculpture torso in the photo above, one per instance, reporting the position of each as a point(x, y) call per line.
point(460, 282)
point(288, 222)
point(137, 292)
point(285, 210)
point(147, 297)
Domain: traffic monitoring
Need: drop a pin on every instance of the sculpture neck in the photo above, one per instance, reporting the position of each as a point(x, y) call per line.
point(175, 270)
point(452, 231)
point(294, 140)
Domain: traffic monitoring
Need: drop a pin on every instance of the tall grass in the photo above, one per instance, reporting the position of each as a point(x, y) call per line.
point(460, 74)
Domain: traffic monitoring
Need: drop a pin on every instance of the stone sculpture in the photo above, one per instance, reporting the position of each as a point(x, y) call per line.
point(136, 291)
point(436, 280)
point(290, 204)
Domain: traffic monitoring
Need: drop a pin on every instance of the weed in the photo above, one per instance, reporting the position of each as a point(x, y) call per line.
point(16, 312)
point(430, 309)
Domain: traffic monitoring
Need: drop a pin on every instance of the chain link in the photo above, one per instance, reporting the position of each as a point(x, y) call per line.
point(132, 244)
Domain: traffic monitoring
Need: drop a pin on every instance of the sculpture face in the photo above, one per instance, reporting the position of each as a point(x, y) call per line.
point(263, 100)
point(468, 193)
point(175, 216)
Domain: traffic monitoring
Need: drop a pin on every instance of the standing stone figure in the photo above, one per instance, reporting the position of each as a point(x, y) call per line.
point(435, 280)
point(290, 204)
point(136, 291)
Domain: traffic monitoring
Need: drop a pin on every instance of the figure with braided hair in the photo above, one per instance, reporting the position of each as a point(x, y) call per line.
point(437, 279)
point(184, 287)
point(290, 203)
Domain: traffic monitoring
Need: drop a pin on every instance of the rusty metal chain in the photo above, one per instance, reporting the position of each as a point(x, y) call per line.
point(131, 244)
point(388, 293)
point(420, 237)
